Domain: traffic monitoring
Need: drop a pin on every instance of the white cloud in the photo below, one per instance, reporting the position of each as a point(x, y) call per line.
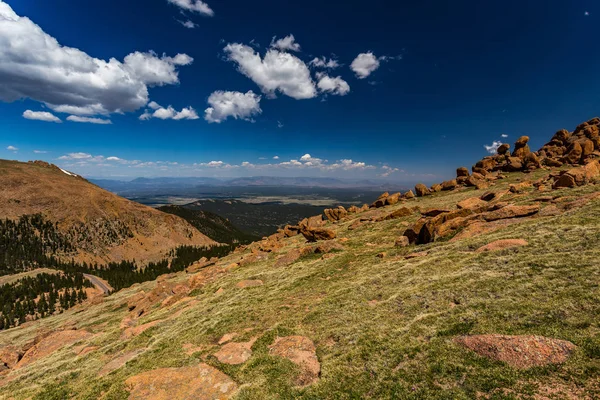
point(278, 71)
point(89, 120)
point(188, 24)
point(493, 148)
point(504, 135)
point(194, 5)
point(113, 158)
point(324, 63)
point(275, 157)
point(336, 85)
point(232, 104)
point(387, 171)
point(287, 43)
point(40, 151)
point(168, 113)
point(280, 124)
point(12, 148)
point(41, 116)
point(76, 156)
point(364, 64)
point(34, 65)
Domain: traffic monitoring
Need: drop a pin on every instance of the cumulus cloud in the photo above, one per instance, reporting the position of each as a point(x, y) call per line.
point(12, 148)
point(160, 112)
point(504, 135)
point(287, 43)
point(188, 24)
point(387, 171)
point(336, 85)
point(41, 116)
point(232, 104)
point(364, 64)
point(194, 6)
point(493, 148)
point(324, 63)
point(276, 72)
point(34, 65)
point(275, 157)
point(89, 120)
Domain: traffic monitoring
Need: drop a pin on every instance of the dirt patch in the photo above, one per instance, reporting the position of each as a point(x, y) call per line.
point(198, 382)
point(502, 244)
point(519, 351)
point(52, 343)
point(301, 351)
point(119, 361)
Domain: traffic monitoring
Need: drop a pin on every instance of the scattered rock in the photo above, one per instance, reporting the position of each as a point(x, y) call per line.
point(512, 211)
point(301, 351)
point(402, 241)
point(472, 203)
point(434, 212)
point(249, 283)
point(399, 213)
point(502, 244)
point(235, 353)
point(316, 234)
point(422, 190)
point(382, 255)
point(503, 148)
point(10, 356)
point(519, 351)
point(288, 258)
point(392, 199)
point(380, 202)
point(335, 214)
point(198, 382)
point(409, 195)
point(51, 343)
point(449, 185)
point(462, 171)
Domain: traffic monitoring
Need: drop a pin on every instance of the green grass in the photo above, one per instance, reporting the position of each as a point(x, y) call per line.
point(399, 348)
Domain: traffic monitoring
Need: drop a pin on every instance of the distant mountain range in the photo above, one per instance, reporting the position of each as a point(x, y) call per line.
point(260, 181)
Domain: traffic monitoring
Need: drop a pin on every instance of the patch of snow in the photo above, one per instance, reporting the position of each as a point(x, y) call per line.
point(67, 172)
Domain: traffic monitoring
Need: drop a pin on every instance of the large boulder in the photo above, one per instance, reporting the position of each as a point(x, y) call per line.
point(409, 195)
point(511, 211)
point(578, 176)
point(574, 154)
point(421, 190)
point(503, 149)
point(380, 202)
point(462, 171)
point(449, 185)
point(392, 199)
point(316, 234)
point(335, 214)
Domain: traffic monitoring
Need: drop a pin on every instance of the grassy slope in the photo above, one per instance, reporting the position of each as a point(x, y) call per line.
point(399, 348)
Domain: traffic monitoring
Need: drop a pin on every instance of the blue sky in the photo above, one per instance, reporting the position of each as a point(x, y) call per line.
point(405, 91)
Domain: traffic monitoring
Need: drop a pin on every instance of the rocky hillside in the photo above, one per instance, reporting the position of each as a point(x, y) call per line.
point(100, 226)
point(487, 289)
